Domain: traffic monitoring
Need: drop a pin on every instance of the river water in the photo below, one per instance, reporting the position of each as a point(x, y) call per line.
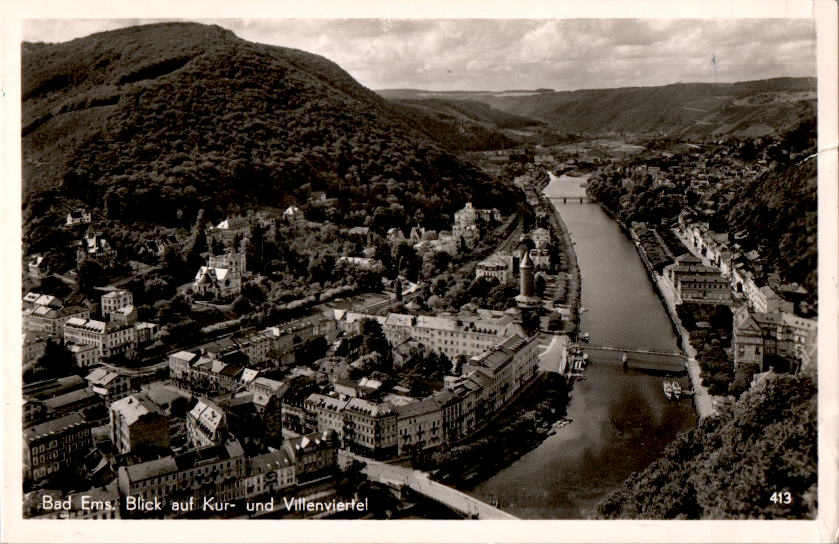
point(621, 420)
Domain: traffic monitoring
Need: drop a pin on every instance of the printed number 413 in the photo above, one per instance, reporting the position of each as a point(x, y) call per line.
point(781, 497)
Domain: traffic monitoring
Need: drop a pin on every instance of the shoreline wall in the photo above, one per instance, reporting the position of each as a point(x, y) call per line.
point(568, 253)
point(702, 400)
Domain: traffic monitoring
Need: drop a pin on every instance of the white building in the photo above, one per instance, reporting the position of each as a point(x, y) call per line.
point(109, 338)
point(463, 334)
point(206, 424)
point(494, 267)
point(78, 217)
point(115, 300)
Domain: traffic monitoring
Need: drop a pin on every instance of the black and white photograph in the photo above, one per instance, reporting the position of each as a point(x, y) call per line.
point(453, 268)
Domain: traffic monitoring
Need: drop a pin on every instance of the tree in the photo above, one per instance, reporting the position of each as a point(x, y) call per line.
point(56, 362)
point(459, 362)
point(173, 263)
point(409, 263)
point(90, 274)
point(197, 242)
point(311, 350)
point(373, 338)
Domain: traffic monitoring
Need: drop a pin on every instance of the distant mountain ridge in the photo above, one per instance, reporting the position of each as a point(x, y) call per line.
point(743, 109)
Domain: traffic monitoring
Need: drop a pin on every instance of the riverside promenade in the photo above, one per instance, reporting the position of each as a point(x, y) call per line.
point(702, 399)
point(572, 294)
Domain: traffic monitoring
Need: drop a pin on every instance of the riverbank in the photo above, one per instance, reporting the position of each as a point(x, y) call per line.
point(568, 255)
point(617, 421)
point(702, 399)
point(520, 429)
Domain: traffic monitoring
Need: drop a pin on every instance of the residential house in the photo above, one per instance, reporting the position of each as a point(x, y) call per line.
point(78, 217)
point(216, 472)
point(419, 426)
point(223, 275)
point(50, 320)
point(495, 267)
point(206, 424)
point(293, 215)
point(115, 300)
point(269, 473)
point(94, 246)
point(370, 428)
point(85, 355)
point(110, 338)
point(55, 446)
point(325, 413)
point(137, 421)
point(314, 455)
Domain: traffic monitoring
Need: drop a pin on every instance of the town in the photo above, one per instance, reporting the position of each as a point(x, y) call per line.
point(362, 375)
point(249, 414)
point(254, 288)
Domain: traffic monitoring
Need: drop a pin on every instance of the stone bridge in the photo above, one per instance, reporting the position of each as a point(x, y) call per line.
point(397, 476)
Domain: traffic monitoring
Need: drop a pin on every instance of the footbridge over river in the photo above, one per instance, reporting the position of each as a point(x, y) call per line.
point(396, 476)
point(668, 362)
point(573, 198)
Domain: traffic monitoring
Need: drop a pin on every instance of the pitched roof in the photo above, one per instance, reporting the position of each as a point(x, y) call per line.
point(54, 426)
point(150, 469)
point(424, 406)
point(370, 408)
point(267, 462)
point(133, 407)
point(208, 413)
point(67, 399)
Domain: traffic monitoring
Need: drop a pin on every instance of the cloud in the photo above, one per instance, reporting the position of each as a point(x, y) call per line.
point(450, 54)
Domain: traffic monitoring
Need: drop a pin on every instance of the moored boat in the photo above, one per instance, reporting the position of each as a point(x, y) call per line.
point(677, 390)
point(668, 390)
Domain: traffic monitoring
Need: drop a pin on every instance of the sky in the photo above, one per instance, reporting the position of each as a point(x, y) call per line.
point(499, 54)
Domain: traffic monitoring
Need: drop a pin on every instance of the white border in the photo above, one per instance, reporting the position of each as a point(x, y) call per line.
point(15, 529)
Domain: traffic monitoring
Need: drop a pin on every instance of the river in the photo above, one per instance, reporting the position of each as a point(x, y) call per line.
point(621, 420)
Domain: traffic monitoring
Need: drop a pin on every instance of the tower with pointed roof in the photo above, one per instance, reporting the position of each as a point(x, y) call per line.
point(526, 297)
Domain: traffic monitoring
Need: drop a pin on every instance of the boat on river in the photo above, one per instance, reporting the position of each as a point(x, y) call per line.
point(677, 390)
point(668, 390)
point(585, 337)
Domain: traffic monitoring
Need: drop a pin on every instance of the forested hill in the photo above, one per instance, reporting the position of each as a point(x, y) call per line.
point(730, 465)
point(155, 122)
point(689, 110)
point(466, 125)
